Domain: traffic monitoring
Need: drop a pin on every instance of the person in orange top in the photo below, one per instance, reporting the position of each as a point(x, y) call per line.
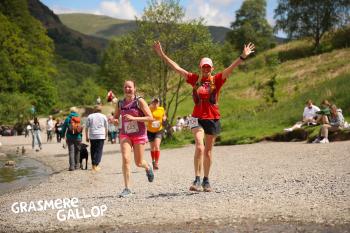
point(205, 121)
point(155, 130)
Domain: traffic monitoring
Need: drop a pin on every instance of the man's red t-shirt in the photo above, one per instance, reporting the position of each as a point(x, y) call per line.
point(204, 109)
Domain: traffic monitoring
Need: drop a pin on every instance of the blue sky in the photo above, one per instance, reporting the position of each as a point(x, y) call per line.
point(216, 12)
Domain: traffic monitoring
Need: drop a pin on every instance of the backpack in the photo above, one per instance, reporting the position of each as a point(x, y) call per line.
point(36, 127)
point(212, 91)
point(121, 103)
point(74, 126)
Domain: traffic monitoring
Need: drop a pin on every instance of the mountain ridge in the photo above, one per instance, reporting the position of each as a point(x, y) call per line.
point(107, 27)
point(69, 44)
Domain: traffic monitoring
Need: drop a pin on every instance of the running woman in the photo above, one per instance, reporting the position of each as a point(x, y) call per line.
point(205, 121)
point(133, 112)
point(155, 130)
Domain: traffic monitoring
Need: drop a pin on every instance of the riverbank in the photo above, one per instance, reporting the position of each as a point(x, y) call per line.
point(272, 186)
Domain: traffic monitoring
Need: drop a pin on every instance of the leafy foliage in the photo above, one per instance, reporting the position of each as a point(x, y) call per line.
point(25, 55)
point(185, 42)
point(310, 19)
point(251, 26)
point(14, 106)
point(77, 82)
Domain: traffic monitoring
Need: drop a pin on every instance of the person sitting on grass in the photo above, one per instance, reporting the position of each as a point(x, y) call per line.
point(309, 117)
point(332, 123)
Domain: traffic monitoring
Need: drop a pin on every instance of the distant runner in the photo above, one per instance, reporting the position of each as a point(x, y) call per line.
point(155, 130)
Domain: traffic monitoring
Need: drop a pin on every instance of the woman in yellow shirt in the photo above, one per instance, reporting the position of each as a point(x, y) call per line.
point(155, 130)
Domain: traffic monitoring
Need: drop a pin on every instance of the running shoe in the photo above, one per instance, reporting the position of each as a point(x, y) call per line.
point(325, 140)
point(155, 166)
point(317, 140)
point(196, 186)
point(206, 186)
point(149, 173)
point(126, 193)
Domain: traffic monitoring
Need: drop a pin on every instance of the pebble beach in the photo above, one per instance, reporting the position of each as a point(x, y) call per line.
point(263, 187)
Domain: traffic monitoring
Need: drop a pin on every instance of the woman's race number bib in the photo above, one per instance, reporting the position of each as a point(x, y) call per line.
point(131, 127)
point(193, 122)
point(155, 124)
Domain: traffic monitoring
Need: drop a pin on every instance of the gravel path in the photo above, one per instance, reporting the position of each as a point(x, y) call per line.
point(284, 187)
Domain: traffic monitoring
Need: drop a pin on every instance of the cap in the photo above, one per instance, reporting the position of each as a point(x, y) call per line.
point(73, 109)
point(206, 61)
point(155, 99)
point(97, 108)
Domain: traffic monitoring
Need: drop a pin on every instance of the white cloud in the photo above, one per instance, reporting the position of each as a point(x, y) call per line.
point(213, 14)
point(121, 9)
point(225, 2)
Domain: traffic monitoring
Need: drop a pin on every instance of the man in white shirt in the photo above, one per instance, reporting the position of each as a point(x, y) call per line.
point(49, 128)
point(96, 133)
point(309, 116)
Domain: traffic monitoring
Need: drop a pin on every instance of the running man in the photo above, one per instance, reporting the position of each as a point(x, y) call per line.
point(134, 112)
point(155, 130)
point(205, 121)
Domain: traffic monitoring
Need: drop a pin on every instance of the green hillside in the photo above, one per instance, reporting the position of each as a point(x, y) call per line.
point(107, 27)
point(249, 113)
point(69, 44)
point(96, 25)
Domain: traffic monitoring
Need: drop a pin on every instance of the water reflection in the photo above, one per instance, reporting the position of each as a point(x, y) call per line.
point(26, 171)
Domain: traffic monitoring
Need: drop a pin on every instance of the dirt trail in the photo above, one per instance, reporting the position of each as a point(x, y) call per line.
point(285, 187)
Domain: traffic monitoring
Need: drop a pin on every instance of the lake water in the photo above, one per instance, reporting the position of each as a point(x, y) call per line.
point(27, 171)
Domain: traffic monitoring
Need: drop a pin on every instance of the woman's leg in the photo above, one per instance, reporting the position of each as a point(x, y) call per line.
point(39, 139)
point(198, 134)
point(324, 130)
point(33, 140)
point(157, 142)
point(139, 150)
point(152, 151)
point(125, 147)
point(208, 157)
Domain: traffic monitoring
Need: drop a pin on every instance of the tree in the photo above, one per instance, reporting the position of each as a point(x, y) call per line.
point(251, 25)
point(133, 57)
point(118, 63)
point(26, 55)
point(309, 18)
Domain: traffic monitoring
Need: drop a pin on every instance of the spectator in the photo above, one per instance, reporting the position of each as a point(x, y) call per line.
point(49, 128)
point(334, 123)
point(36, 130)
point(180, 122)
point(72, 130)
point(323, 114)
point(98, 101)
point(58, 130)
point(112, 129)
point(96, 133)
point(27, 129)
point(309, 116)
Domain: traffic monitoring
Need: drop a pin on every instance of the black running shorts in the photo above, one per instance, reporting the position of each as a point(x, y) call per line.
point(152, 136)
point(211, 127)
